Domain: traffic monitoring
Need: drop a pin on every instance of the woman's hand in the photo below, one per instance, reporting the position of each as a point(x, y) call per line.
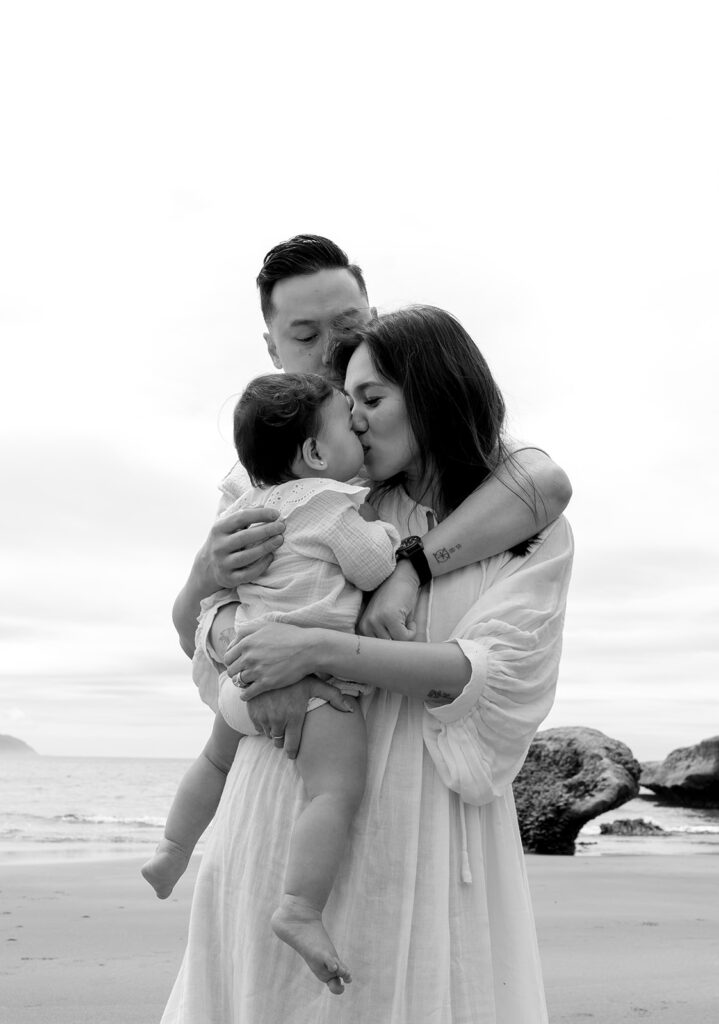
point(390, 612)
point(269, 657)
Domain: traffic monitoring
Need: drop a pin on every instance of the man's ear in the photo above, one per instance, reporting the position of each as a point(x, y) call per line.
point(272, 349)
point(311, 454)
point(373, 312)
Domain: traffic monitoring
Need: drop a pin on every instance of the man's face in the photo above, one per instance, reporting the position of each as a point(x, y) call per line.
point(305, 308)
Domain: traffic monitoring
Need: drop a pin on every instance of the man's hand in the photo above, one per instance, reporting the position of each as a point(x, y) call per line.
point(390, 612)
point(238, 550)
point(280, 714)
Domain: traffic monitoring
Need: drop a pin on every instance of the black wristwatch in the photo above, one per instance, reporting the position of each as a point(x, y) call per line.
point(412, 549)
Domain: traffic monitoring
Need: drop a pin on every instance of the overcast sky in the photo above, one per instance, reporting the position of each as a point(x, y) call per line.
point(548, 172)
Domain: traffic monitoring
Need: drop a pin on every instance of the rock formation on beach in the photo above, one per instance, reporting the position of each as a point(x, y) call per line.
point(688, 776)
point(631, 827)
point(570, 776)
point(11, 745)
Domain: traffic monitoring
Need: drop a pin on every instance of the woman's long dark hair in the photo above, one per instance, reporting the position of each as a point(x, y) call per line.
point(455, 409)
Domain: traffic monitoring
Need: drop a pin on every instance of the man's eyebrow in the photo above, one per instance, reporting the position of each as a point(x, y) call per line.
point(336, 321)
point(346, 317)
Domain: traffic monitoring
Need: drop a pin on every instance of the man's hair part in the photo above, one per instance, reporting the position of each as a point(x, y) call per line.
point(300, 256)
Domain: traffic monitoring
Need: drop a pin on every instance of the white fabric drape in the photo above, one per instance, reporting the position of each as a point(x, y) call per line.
point(431, 909)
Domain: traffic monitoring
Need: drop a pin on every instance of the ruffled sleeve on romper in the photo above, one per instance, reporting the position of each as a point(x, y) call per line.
point(512, 639)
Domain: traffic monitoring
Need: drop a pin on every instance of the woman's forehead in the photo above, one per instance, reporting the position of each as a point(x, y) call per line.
point(361, 371)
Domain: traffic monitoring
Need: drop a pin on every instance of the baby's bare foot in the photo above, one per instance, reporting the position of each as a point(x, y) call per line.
point(165, 867)
point(300, 926)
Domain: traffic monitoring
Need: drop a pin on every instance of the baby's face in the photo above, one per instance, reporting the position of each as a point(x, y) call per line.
point(339, 445)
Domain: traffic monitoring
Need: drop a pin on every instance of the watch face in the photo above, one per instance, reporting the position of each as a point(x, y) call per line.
point(409, 545)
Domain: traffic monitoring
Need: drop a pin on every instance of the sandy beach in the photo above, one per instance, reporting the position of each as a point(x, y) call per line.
point(623, 939)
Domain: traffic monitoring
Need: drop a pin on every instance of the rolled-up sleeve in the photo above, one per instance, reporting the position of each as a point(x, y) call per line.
point(512, 639)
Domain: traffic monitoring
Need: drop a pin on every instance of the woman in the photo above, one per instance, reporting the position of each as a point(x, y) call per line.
point(431, 909)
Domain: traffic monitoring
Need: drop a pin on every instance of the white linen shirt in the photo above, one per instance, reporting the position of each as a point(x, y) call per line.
point(328, 557)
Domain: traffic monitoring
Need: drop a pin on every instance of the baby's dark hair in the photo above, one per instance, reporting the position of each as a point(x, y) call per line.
point(273, 418)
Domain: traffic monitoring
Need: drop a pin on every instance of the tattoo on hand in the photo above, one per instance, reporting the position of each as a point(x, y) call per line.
point(444, 554)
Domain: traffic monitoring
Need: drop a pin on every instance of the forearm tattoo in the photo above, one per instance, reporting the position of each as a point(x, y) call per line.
point(444, 554)
point(439, 697)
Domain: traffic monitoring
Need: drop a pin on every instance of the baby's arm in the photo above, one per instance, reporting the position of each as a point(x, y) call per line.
point(337, 532)
point(193, 808)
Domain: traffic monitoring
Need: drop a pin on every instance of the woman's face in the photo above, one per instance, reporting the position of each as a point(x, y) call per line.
point(379, 418)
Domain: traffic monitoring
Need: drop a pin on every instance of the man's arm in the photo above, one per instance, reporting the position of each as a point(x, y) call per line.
point(527, 492)
point(238, 549)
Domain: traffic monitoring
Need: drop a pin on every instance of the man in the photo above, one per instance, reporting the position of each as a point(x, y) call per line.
point(308, 288)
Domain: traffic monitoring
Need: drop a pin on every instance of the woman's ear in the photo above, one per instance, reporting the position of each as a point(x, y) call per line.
point(311, 454)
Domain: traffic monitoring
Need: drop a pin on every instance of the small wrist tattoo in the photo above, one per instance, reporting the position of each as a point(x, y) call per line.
point(444, 554)
point(357, 647)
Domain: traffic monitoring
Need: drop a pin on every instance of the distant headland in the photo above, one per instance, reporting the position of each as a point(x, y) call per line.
point(11, 745)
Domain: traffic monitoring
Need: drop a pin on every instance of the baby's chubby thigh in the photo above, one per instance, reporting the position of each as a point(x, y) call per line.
point(233, 709)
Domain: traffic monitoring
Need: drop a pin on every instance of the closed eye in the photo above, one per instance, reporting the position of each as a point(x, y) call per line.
point(310, 337)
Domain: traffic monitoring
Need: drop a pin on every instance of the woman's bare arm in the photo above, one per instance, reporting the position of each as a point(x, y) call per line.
point(280, 654)
point(527, 492)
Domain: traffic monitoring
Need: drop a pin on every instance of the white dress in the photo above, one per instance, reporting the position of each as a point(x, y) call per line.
point(431, 909)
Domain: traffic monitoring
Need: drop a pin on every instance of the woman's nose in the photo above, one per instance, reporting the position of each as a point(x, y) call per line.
point(359, 422)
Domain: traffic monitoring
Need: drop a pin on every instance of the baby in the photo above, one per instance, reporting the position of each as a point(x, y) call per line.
point(294, 436)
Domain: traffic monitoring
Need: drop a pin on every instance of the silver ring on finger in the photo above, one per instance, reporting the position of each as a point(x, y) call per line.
point(238, 680)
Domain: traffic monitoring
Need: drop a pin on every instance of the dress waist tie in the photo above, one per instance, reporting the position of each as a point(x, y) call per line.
point(466, 869)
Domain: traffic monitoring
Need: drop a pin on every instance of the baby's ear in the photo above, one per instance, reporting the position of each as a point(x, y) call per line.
point(311, 454)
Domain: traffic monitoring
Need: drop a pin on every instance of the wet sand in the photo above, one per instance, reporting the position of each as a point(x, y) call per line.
point(623, 939)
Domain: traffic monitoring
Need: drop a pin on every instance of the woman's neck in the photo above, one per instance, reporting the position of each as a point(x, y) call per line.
point(425, 490)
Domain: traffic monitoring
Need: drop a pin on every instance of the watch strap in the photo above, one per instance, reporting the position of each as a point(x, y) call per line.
point(412, 550)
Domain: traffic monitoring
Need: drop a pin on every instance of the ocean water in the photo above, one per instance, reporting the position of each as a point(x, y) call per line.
point(74, 808)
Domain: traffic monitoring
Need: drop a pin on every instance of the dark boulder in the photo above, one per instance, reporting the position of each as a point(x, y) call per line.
point(688, 776)
point(631, 827)
point(571, 775)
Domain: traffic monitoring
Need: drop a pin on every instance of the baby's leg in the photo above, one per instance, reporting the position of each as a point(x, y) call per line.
point(332, 762)
point(192, 809)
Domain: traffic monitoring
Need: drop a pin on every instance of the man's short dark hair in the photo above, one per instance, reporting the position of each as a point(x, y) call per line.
point(303, 254)
point(275, 415)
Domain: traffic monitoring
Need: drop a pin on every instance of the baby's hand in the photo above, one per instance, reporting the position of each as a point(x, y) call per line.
point(368, 513)
point(390, 612)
